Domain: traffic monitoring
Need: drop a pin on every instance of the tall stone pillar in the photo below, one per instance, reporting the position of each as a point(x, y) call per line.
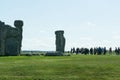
point(60, 41)
point(2, 38)
point(19, 25)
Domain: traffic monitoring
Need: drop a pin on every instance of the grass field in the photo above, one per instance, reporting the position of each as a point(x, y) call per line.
point(76, 67)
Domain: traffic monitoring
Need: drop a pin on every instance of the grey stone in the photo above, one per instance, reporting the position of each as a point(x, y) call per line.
point(60, 41)
point(10, 38)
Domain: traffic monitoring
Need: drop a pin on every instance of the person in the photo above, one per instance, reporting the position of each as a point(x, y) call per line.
point(73, 50)
point(99, 51)
point(104, 51)
point(86, 51)
point(110, 50)
point(77, 50)
point(95, 51)
point(91, 51)
point(116, 51)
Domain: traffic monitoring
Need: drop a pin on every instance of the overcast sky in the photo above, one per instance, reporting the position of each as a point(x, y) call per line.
point(87, 23)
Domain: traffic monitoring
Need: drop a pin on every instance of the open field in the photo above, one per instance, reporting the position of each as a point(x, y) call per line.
point(76, 67)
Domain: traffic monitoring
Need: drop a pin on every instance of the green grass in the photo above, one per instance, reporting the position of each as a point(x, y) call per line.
point(76, 67)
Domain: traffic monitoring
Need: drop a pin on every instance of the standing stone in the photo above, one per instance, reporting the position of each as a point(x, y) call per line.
point(60, 41)
point(2, 38)
point(10, 38)
point(19, 24)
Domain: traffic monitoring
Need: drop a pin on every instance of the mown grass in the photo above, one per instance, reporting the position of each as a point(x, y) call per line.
point(76, 67)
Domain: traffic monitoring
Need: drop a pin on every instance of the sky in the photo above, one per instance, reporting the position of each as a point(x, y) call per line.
point(86, 23)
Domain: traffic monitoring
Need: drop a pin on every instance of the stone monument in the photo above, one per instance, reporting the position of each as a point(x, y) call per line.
point(60, 41)
point(10, 38)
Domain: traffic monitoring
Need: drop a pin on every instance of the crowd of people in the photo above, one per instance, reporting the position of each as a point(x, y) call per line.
point(117, 51)
point(95, 51)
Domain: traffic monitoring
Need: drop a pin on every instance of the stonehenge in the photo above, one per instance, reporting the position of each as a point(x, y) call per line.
point(10, 38)
point(60, 41)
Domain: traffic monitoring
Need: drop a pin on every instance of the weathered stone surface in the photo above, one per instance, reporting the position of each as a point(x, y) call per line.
point(60, 41)
point(10, 38)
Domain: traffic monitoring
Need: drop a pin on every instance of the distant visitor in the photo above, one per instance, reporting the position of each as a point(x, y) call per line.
point(10, 38)
point(60, 41)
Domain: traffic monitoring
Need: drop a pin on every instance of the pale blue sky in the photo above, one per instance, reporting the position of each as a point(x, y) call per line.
point(87, 23)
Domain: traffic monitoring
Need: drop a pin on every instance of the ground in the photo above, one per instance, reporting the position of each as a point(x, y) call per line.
point(75, 67)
